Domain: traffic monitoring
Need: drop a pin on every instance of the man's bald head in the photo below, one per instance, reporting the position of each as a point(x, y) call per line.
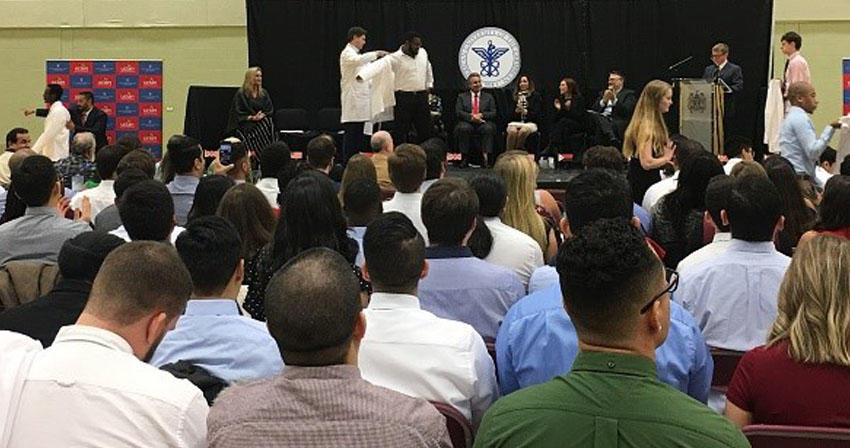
point(802, 95)
point(381, 141)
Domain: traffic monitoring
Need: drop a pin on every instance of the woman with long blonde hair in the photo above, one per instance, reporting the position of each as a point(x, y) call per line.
point(802, 376)
point(646, 144)
point(251, 113)
point(519, 172)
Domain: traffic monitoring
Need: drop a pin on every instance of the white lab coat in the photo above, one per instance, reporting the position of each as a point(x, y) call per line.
point(354, 95)
point(53, 142)
point(774, 112)
point(381, 80)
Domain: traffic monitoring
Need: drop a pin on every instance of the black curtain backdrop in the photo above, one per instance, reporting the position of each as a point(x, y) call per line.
point(297, 42)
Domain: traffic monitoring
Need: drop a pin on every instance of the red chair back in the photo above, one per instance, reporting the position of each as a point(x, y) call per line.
point(781, 436)
point(725, 362)
point(460, 429)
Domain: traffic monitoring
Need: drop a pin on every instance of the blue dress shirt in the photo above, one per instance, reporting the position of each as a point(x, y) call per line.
point(644, 217)
point(462, 287)
point(212, 334)
point(798, 142)
point(182, 190)
point(357, 234)
point(537, 341)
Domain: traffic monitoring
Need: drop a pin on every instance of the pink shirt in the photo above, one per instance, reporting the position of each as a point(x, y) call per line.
point(797, 71)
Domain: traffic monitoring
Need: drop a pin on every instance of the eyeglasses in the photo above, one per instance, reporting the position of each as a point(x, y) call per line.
point(672, 283)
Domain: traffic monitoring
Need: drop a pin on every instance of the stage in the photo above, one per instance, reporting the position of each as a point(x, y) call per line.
point(549, 179)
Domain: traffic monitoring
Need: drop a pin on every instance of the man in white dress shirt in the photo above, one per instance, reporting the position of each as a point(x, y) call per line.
point(54, 141)
point(408, 349)
point(716, 200)
point(103, 195)
point(92, 387)
point(407, 167)
point(354, 95)
point(413, 79)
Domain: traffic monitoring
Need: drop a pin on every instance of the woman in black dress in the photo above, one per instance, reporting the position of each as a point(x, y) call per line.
point(251, 114)
point(570, 115)
point(646, 145)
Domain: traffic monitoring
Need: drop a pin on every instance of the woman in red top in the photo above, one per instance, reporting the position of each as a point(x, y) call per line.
point(834, 210)
point(802, 375)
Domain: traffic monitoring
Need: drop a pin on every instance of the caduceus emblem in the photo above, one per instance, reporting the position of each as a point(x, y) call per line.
point(490, 55)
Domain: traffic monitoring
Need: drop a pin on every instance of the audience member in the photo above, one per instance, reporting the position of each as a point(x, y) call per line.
point(519, 173)
point(240, 161)
point(79, 162)
point(826, 166)
point(407, 166)
point(139, 159)
point(183, 168)
point(93, 385)
point(273, 160)
point(130, 142)
point(678, 217)
point(310, 216)
point(359, 166)
point(211, 333)
point(314, 315)
point(746, 168)
point(615, 293)
point(244, 206)
point(14, 207)
point(17, 138)
point(738, 149)
point(800, 377)
point(110, 218)
point(79, 260)
point(408, 349)
point(147, 214)
point(208, 195)
point(799, 216)
point(733, 294)
point(382, 147)
point(460, 286)
point(610, 158)
point(103, 195)
point(435, 160)
point(39, 234)
point(511, 248)
point(845, 166)
point(362, 204)
point(321, 151)
point(716, 200)
point(537, 339)
point(834, 216)
point(480, 242)
point(685, 149)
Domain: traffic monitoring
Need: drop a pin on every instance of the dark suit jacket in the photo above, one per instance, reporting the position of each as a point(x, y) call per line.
point(95, 123)
point(535, 107)
point(731, 75)
point(486, 105)
point(42, 318)
point(623, 108)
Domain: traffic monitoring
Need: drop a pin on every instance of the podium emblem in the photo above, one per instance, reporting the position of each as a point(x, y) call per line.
point(697, 102)
point(492, 52)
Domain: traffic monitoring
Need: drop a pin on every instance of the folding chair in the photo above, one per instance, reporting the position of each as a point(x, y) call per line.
point(782, 436)
point(460, 429)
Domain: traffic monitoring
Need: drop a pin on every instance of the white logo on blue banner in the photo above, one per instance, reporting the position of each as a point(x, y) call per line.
point(493, 53)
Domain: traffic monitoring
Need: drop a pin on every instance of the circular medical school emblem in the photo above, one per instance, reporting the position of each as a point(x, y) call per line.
point(493, 53)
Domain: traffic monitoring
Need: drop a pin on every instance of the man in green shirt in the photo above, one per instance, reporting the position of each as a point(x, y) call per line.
point(617, 295)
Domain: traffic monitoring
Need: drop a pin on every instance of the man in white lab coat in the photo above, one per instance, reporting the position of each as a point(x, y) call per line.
point(53, 142)
point(354, 95)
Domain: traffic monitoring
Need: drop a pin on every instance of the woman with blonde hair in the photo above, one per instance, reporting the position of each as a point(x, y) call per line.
point(802, 376)
point(646, 144)
point(359, 167)
point(251, 113)
point(519, 172)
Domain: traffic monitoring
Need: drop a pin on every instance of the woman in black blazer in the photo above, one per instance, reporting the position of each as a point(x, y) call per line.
point(570, 115)
point(528, 105)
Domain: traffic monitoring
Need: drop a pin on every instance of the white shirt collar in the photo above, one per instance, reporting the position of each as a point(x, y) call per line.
point(94, 335)
point(390, 301)
point(720, 67)
point(722, 236)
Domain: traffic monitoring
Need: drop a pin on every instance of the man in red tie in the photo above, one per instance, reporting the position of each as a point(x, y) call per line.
point(476, 115)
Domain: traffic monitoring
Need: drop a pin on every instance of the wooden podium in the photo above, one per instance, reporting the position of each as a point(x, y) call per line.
point(701, 111)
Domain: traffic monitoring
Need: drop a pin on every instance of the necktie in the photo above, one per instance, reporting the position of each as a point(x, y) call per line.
point(84, 118)
point(785, 70)
point(474, 103)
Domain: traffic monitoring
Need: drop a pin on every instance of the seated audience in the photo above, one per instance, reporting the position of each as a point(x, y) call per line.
point(746, 168)
point(732, 295)
point(408, 349)
point(435, 161)
point(320, 399)
point(244, 206)
point(460, 286)
point(14, 206)
point(79, 260)
point(130, 142)
point(208, 195)
point(610, 158)
point(800, 377)
point(382, 147)
point(476, 115)
point(79, 161)
point(310, 216)
point(239, 168)
point(537, 340)
point(185, 160)
point(738, 149)
point(685, 149)
point(678, 217)
point(511, 249)
point(103, 195)
point(528, 110)
point(615, 293)
point(92, 387)
point(407, 166)
point(834, 216)
point(321, 151)
point(826, 166)
point(17, 138)
point(110, 219)
point(362, 205)
point(845, 166)
point(359, 166)
point(147, 214)
point(800, 215)
point(211, 333)
point(40, 233)
point(716, 200)
point(273, 160)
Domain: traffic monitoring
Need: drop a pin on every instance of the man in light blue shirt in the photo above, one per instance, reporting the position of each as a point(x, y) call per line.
point(537, 339)
point(212, 333)
point(797, 140)
point(460, 286)
point(187, 161)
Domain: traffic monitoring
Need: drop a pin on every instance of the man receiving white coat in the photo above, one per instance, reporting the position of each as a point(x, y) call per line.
point(354, 95)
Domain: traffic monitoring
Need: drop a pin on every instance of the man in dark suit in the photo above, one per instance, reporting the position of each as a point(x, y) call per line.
point(476, 112)
point(615, 107)
point(732, 75)
point(85, 117)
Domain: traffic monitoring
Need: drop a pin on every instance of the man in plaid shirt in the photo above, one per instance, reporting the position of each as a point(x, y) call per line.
point(79, 162)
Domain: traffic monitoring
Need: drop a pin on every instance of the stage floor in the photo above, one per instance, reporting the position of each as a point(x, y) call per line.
point(547, 178)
